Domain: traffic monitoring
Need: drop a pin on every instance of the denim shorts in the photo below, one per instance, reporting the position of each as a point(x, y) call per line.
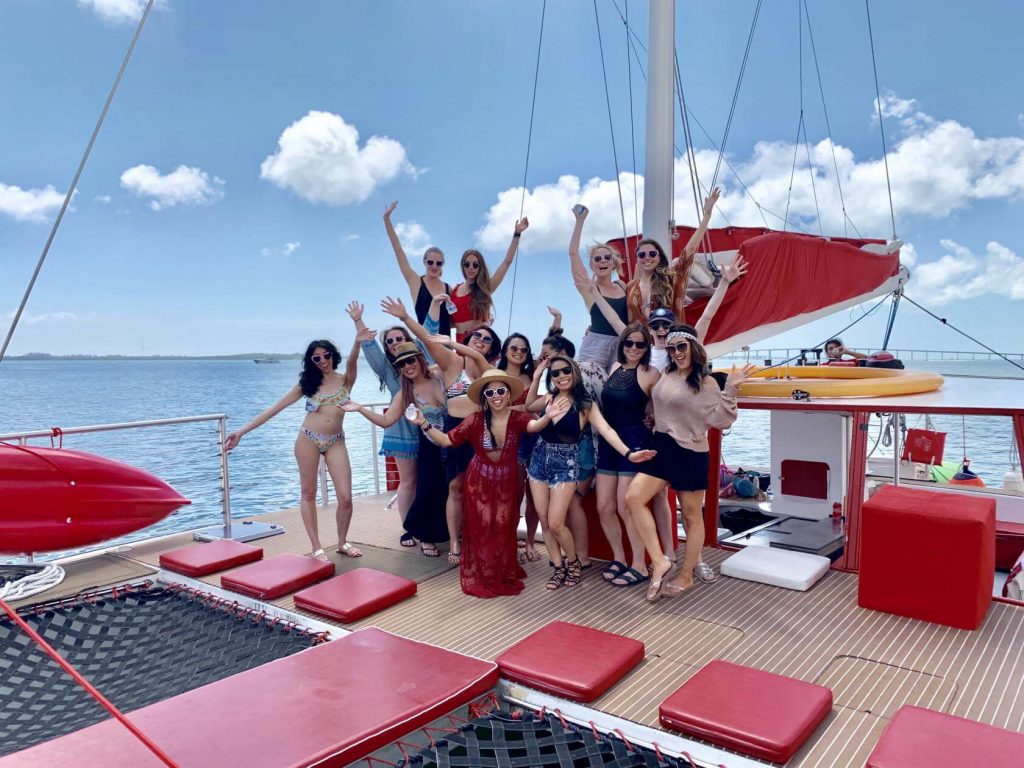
point(554, 463)
point(587, 454)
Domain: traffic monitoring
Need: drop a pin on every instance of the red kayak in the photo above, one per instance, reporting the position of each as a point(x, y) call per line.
point(54, 498)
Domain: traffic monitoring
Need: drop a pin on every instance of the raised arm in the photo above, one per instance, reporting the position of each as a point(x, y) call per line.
point(556, 321)
point(385, 420)
point(534, 400)
point(510, 254)
point(702, 228)
point(591, 295)
point(576, 265)
point(292, 396)
point(444, 357)
point(482, 363)
point(730, 274)
point(355, 311)
point(412, 279)
point(598, 422)
point(723, 414)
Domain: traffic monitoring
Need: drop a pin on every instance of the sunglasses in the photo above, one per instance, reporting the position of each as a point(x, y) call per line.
point(677, 349)
point(471, 264)
point(629, 344)
point(660, 325)
point(406, 361)
point(556, 372)
point(324, 356)
point(482, 337)
point(647, 254)
point(394, 340)
point(496, 392)
point(518, 349)
point(602, 257)
point(433, 263)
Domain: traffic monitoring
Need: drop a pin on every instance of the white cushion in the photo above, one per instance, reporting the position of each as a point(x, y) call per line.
point(778, 567)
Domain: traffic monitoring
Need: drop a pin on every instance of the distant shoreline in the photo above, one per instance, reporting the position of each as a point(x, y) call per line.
point(42, 356)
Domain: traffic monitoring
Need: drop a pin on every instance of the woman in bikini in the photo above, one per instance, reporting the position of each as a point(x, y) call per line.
point(422, 288)
point(422, 389)
point(321, 434)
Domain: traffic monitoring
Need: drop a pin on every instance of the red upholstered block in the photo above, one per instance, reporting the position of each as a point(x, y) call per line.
point(355, 595)
point(571, 660)
point(327, 706)
point(928, 555)
point(757, 713)
point(277, 576)
point(923, 738)
point(203, 559)
point(1009, 544)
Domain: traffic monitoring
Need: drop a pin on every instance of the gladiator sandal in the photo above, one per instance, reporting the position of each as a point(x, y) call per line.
point(573, 573)
point(557, 577)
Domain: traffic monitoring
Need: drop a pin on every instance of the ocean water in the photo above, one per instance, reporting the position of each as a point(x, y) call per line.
point(41, 394)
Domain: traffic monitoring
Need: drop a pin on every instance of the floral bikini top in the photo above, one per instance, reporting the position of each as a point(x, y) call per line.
point(317, 401)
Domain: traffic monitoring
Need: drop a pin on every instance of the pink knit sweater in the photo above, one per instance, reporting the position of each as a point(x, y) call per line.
point(686, 415)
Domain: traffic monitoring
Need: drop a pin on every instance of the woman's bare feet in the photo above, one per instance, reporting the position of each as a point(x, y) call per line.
point(659, 571)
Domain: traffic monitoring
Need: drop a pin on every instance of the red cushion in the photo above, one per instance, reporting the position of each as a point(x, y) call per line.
point(327, 706)
point(570, 660)
point(277, 576)
point(928, 555)
point(203, 559)
point(922, 737)
point(757, 713)
point(356, 594)
point(1009, 543)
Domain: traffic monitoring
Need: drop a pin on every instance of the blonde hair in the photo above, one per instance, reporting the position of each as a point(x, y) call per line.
point(616, 256)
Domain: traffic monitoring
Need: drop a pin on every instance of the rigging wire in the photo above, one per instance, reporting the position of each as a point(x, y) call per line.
point(881, 125)
point(611, 125)
point(945, 322)
point(74, 181)
point(526, 167)
point(801, 125)
point(892, 318)
point(632, 130)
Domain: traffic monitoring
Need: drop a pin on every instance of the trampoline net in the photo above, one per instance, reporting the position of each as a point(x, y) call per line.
point(528, 741)
point(137, 647)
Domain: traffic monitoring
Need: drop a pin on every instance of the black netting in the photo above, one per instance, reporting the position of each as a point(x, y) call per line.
point(16, 572)
point(137, 648)
point(501, 740)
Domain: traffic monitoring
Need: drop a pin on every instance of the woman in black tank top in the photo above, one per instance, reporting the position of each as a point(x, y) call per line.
point(422, 288)
point(554, 468)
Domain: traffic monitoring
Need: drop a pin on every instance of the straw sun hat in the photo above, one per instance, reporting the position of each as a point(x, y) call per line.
point(492, 377)
point(404, 350)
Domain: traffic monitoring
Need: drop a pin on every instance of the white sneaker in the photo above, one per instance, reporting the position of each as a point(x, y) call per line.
point(705, 573)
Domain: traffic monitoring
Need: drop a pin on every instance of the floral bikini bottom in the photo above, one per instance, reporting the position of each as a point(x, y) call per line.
point(321, 441)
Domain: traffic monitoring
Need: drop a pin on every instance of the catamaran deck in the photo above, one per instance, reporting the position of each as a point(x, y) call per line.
point(874, 662)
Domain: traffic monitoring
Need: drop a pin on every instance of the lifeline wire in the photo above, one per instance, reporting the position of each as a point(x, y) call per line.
point(526, 168)
point(74, 182)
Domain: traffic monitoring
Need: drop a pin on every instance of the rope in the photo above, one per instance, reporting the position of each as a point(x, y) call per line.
point(892, 318)
point(33, 584)
point(981, 344)
point(526, 167)
point(632, 129)
point(611, 126)
point(74, 182)
point(104, 702)
point(881, 125)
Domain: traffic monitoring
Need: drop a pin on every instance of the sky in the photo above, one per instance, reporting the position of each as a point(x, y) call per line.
point(233, 199)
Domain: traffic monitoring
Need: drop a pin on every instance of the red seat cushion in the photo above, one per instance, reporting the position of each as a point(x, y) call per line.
point(355, 595)
point(912, 540)
point(203, 559)
point(1009, 543)
point(277, 576)
point(920, 738)
point(326, 706)
point(757, 713)
point(570, 660)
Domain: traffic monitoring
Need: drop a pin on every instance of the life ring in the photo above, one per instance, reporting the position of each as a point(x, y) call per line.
point(838, 381)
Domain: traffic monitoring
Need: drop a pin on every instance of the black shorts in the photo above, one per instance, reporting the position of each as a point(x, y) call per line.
point(683, 469)
point(611, 462)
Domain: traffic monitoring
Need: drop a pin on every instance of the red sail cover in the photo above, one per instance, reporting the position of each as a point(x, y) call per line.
point(791, 279)
point(53, 499)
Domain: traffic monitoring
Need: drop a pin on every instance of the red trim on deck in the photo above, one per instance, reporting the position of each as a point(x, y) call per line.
point(854, 501)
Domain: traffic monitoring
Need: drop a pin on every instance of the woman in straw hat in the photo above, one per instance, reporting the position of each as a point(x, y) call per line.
point(490, 503)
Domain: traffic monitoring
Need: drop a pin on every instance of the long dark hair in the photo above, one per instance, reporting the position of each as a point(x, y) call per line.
point(311, 376)
point(382, 337)
point(495, 349)
point(628, 331)
point(580, 395)
point(558, 342)
point(527, 367)
point(480, 302)
point(661, 279)
point(698, 358)
point(409, 386)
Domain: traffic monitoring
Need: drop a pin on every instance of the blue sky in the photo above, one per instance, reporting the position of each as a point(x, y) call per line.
point(208, 220)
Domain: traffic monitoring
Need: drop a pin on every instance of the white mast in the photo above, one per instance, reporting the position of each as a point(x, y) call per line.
point(658, 163)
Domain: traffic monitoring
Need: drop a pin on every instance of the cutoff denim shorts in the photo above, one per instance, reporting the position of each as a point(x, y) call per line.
point(554, 463)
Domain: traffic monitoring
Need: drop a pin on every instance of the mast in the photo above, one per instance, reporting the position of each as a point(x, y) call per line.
point(659, 159)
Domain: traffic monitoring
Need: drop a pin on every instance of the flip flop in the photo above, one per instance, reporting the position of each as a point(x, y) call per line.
point(407, 540)
point(630, 578)
point(612, 570)
point(655, 587)
point(533, 555)
point(674, 590)
point(429, 550)
point(454, 558)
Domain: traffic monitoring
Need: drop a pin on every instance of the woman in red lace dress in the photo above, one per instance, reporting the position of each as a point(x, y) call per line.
point(490, 505)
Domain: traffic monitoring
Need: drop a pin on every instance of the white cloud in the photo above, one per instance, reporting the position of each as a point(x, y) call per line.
point(349, 237)
point(319, 158)
point(908, 255)
point(182, 186)
point(285, 250)
point(961, 274)
point(414, 238)
point(29, 204)
point(290, 248)
point(44, 318)
point(118, 11)
point(938, 167)
point(103, 199)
